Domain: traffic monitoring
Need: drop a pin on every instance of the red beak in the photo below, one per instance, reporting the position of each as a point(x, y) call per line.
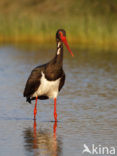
point(64, 40)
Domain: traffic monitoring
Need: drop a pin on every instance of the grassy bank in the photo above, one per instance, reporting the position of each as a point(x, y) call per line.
point(91, 22)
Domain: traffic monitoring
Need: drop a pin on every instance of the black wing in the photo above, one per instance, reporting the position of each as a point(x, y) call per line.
point(62, 81)
point(33, 82)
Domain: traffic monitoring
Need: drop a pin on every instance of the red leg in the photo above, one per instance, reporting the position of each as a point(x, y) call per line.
point(55, 113)
point(35, 109)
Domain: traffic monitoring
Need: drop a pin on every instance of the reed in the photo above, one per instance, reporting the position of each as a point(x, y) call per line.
point(88, 25)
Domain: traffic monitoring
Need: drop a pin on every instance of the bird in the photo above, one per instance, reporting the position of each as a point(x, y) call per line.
point(46, 81)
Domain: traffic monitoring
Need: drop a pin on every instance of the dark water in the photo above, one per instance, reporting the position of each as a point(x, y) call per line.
point(87, 105)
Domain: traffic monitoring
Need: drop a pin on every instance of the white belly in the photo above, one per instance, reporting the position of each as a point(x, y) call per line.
point(49, 88)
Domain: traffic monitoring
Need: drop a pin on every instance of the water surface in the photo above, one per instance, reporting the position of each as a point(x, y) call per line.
point(87, 105)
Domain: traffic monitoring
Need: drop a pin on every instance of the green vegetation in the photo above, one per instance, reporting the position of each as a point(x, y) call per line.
point(89, 22)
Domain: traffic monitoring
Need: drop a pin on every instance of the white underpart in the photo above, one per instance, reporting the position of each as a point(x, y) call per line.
point(49, 88)
point(58, 46)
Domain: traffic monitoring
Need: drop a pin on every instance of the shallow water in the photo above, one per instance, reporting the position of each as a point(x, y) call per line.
point(87, 105)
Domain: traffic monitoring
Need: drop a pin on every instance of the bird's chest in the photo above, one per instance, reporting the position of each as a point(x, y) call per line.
point(48, 88)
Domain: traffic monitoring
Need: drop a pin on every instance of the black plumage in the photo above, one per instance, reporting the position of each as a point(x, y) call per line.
point(52, 70)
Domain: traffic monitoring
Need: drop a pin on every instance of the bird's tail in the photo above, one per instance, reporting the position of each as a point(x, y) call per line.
point(28, 100)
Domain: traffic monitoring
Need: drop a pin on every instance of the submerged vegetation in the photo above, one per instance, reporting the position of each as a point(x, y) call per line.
point(89, 22)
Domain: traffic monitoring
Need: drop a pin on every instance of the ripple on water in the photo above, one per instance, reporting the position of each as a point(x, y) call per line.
point(87, 109)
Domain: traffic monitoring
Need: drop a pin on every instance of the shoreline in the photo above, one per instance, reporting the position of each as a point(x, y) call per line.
point(26, 39)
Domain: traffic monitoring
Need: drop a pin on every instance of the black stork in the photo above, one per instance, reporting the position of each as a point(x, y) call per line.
point(45, 81)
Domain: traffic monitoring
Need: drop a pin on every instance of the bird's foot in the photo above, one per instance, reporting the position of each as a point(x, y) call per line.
point(34, 118)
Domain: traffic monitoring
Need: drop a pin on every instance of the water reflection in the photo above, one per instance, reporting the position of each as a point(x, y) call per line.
point(42, 141)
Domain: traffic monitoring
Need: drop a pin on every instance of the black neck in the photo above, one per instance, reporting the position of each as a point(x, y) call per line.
point(54, 67)
point(59, 53)
point(58, 58)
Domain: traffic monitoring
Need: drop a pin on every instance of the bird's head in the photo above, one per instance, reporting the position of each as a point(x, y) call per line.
point(61, 37)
